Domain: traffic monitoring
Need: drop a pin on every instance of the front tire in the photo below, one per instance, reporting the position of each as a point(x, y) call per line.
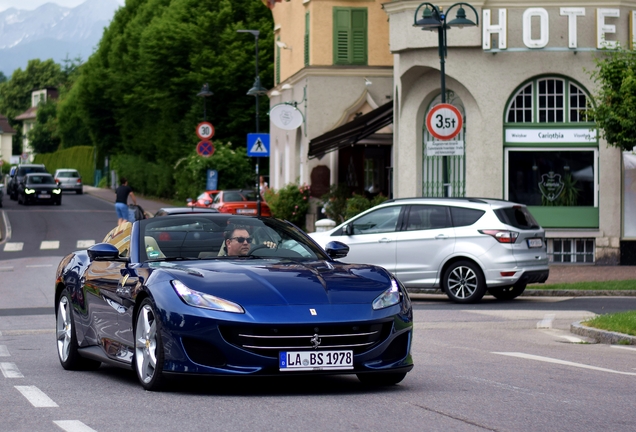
point(381, 379)
point(67, 352)
point(464, 282)
point(149, 356)
point(508, 293)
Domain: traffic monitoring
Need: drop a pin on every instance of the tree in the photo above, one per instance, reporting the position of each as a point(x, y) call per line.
point(615, 110)
point(3, 77)
point(44, 137)
point(137, 93)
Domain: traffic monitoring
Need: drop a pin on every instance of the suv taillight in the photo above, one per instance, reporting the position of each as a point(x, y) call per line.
point(79, 180)
point(502, 236)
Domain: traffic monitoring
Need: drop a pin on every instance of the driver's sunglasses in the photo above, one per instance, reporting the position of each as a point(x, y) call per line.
point(242, 239)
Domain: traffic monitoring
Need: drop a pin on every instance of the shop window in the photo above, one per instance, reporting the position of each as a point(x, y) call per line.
point(549, 100)
point(551, 177)
point(306, 40)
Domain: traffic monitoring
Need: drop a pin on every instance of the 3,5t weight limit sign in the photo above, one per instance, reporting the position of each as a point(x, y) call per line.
point(444, 121)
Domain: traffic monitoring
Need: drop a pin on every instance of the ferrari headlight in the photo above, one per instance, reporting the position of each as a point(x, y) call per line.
point(388, 298)
point(29, 191)
point(57, 191)
point(205, 301)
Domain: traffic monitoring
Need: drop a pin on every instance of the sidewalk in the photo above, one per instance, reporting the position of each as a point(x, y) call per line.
point(150, 206)
point(559, 273)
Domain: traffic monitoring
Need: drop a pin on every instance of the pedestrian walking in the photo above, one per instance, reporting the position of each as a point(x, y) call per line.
point(121, 203)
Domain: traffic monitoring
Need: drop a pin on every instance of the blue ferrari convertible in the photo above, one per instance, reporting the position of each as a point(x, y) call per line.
point(219, 294)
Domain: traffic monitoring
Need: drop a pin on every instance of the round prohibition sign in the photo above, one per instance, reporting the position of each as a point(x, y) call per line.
point(205, 148)
point(205, 130)
point(444, 121)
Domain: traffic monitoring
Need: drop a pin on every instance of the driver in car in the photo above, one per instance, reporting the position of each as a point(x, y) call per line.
point(238, 241)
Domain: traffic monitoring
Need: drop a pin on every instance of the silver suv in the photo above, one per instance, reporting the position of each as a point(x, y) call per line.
point(465, 246)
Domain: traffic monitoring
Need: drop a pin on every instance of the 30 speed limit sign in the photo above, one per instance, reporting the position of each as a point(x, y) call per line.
point(444, 121)
point(205, 131)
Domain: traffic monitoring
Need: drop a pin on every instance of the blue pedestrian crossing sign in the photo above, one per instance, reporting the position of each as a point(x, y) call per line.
point(258, 144)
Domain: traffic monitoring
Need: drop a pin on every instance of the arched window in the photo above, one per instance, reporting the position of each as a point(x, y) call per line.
point(549, 100)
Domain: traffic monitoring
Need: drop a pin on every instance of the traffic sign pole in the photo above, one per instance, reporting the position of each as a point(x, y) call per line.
point(444, 122)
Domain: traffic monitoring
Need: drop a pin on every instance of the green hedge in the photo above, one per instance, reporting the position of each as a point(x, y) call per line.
point(80, 158)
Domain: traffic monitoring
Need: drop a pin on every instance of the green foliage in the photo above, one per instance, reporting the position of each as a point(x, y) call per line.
point(620, 322)
point(290, 203)
point(80, 158)
point(233, 166)
point(335, 202)
point(43, 137)
point(359, 203)
point(615, 110)
point(3, 77)
point(137, 93)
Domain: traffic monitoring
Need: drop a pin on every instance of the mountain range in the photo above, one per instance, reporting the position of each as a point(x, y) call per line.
point(52, 31)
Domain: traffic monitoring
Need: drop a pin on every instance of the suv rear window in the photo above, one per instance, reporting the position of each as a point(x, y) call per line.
point(26, 170)
point(517, 216)
point(465, 216)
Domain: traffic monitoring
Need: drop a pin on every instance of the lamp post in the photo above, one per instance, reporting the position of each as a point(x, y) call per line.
point(256, 91)
point(205, 93)
point(433, 18)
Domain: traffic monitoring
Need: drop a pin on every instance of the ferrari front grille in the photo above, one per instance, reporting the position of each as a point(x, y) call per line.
point(268, 340)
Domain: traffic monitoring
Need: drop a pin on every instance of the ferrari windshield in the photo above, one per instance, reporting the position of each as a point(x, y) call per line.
point(223, 236)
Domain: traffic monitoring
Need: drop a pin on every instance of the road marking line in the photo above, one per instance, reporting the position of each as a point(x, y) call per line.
point(37, 397)
point(50, 244)
point(546, 322)
point(85, 244)
point(6, 269)
point(10, 370)
point(623, 347)
point(561, 362)
point(13, 246)
point(4, 351)
point(39, 265)
point(73, 426)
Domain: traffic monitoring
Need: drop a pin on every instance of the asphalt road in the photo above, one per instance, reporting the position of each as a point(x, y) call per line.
point(499, 366)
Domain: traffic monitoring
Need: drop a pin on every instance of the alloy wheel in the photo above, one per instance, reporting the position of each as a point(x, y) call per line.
point(64, 328)
point(462, 282)
point(146, 344)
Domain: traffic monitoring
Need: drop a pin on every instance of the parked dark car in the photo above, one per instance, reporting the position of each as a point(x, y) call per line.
point(16, 175)
point(1, 192)
point(156, 297)
point(39, 187)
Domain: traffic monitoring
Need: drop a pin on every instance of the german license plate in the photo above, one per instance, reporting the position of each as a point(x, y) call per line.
point(245, 211)
point(535, 243)
point(315, 360)
point(44, 196)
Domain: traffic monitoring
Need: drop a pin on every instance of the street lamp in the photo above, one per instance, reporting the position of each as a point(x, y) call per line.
point(433, 18)
point(256, 91)
point(205, 93)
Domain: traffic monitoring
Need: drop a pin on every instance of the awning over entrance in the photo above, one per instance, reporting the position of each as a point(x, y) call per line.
point(352, 132)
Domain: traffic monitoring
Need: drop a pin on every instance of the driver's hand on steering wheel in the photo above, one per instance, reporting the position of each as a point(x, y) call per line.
point(270, 244)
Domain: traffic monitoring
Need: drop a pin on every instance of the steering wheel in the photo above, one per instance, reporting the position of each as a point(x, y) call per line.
point(261, 246)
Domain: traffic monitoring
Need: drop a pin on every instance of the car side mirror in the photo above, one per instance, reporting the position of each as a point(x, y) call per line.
point(336, 250)
point(103, 252)
point(348, 229)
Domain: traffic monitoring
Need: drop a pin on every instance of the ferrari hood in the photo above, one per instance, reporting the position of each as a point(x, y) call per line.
point(282, 282)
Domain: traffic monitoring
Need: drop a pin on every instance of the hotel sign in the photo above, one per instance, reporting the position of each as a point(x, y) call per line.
point(536, 27)
point(552, 136)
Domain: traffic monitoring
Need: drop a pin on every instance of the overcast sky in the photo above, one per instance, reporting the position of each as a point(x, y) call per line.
point(33, 4)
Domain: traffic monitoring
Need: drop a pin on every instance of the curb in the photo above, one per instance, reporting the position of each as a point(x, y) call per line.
point(547, 292)
point(601, 336)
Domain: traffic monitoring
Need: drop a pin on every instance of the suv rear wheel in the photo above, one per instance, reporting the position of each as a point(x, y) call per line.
point(464, 282)
point(508, 293)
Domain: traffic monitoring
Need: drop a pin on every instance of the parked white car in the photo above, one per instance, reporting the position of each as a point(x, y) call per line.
point(465, 246)
point(69, 180)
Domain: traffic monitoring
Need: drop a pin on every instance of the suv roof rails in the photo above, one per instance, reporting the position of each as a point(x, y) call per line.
point(470, 199)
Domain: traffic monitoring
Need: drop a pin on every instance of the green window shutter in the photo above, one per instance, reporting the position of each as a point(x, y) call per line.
point(341, 35)
point(277, 62)
point(359, 36)
point(306, 39)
